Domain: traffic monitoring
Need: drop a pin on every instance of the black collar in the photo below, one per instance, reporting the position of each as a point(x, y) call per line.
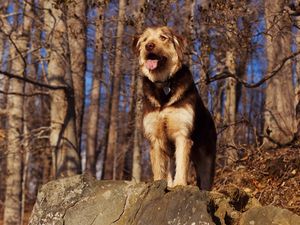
point(165, 85)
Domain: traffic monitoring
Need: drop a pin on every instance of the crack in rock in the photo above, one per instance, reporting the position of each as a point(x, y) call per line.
point(124, 207)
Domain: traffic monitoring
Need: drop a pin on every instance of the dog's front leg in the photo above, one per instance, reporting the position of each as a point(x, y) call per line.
point(171, 171)
point(159, 160)
point(182, 158)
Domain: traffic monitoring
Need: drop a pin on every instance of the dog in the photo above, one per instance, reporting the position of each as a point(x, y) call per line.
point(176, 123)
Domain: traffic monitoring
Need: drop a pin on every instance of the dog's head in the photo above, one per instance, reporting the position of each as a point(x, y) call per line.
point(160, 52)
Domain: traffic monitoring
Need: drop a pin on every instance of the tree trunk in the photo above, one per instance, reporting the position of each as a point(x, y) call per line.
point(297, 89)
point(137, 135)
point(107, 108)
point(205, 51)
point(131, 121)
point(93, 114)
point(27, 107)
point(138, 128)
point(230, 100)
point(12, 206)
point(112, 145)
point(230, 116)
point(76, 22)
point(219, 104)
point(123, 134)
point(279, 125)
point(63, 136)
point(189, 7)
point(6, 28)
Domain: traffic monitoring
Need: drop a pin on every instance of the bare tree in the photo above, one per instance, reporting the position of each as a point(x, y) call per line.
point(279, 104)
point(15, 100)
point(297, 89)
point(5, 28)
point(189, 7)
point(204, 48)
point(112, 145)
point(129, 136)
point(93, 113)
point(4, 36)
point(63, 136)
point(230, 100)
point(76, 29)
point(28, 102)
point(138, 129)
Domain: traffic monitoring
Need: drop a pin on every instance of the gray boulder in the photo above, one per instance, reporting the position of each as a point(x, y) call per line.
point(269, 215)
point(82, 200)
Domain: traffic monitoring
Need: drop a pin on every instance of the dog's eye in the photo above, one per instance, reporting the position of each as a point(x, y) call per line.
point(163, 38)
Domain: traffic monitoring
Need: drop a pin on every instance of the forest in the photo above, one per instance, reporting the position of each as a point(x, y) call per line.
point(70, 92)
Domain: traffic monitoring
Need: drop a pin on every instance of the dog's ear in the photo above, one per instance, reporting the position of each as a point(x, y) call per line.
point(135, 44)
point(180, 44)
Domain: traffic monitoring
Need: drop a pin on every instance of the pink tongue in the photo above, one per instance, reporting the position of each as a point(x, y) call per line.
point(151, 64)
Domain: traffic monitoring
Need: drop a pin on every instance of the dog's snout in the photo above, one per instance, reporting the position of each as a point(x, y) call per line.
point(150, 46)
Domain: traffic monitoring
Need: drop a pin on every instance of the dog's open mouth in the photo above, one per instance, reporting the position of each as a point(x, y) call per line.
point(153, 61)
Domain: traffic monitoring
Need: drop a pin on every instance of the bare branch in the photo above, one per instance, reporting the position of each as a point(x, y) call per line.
point(226, 74)
point(226, 126)
point(25, 95)
point(25, 79)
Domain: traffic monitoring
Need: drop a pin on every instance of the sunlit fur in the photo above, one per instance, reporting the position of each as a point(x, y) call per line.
point(177, 125)
point(171, 48)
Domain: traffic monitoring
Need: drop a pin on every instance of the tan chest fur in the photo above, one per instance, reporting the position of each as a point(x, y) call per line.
point(170, 123)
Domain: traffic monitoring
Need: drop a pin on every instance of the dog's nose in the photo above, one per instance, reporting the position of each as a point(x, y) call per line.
point(150, 46)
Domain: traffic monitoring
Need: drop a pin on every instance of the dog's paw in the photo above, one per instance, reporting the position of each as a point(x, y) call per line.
point(179, 182)
point(174, 188)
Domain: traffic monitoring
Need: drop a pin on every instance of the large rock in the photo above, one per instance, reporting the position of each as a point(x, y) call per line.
point(81, 200)
point(269, 215)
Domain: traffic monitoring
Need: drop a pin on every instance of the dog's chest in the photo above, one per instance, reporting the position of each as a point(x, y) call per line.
point(169, 123)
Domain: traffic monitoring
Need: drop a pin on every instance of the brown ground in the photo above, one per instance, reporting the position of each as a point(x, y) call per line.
point(272, 176)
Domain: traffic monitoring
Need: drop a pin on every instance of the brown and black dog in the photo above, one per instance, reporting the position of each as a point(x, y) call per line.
point(178, 126)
